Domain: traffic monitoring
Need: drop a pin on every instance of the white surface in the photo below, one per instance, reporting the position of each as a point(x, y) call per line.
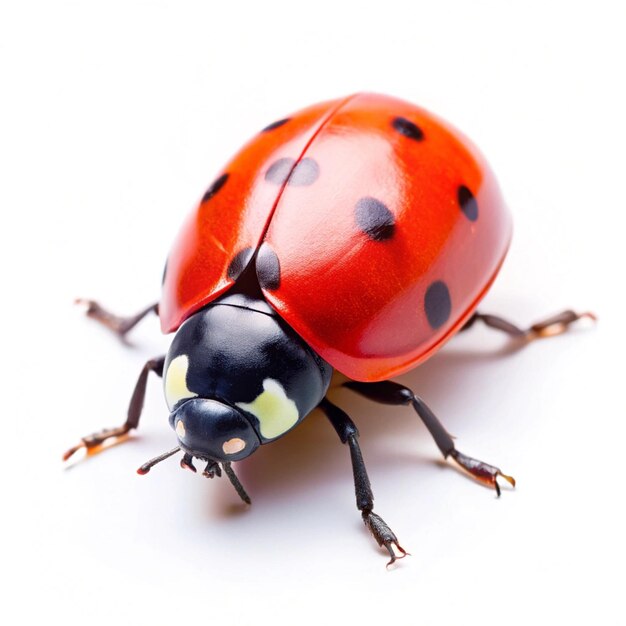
point(112, 123)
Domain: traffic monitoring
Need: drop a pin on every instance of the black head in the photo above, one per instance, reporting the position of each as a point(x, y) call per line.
point(212, 430)
point(236, 376)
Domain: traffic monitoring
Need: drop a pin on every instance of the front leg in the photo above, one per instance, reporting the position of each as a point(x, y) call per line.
point(93, 443)
point(348, 433)
point(389, 392)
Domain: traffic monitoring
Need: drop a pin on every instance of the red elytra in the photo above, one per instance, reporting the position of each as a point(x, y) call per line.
point(383, 228)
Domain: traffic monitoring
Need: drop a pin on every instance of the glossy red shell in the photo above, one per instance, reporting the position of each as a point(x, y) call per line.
point(373, 298)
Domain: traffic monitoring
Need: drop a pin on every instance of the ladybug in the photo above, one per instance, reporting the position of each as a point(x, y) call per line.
point(357, 235)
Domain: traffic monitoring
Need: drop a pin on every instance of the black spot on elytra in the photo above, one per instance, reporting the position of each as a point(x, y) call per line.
point(437, 304)
point(239, 263)
point(275, 124)
point(468, 203)
point(268, 268)
point(407, 128)
point(216, 185)
point(374, 219)
point(304, 173)
point(279, 171)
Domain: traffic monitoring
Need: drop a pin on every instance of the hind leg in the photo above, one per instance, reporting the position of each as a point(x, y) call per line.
point(554, 325)
point(117, 324)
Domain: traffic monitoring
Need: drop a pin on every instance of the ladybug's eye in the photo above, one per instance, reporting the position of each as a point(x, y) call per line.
point(176, 381)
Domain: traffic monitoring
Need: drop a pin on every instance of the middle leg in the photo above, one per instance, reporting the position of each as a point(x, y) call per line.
point(389, 392)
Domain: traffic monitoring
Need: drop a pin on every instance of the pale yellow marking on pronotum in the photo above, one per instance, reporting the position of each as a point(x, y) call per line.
point(234, 445)
point(176, 381)
point(180, 428)
point(275, 411)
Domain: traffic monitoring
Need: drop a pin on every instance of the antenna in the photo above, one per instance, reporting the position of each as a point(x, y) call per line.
point(236, 484)
point(146, 467)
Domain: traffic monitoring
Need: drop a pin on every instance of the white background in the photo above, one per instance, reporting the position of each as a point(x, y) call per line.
point(113, 121)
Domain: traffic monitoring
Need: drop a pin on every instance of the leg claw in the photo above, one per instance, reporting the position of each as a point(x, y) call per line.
point(557, 324)
point(483, 472)
point(94, 443)
point(384, 536)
